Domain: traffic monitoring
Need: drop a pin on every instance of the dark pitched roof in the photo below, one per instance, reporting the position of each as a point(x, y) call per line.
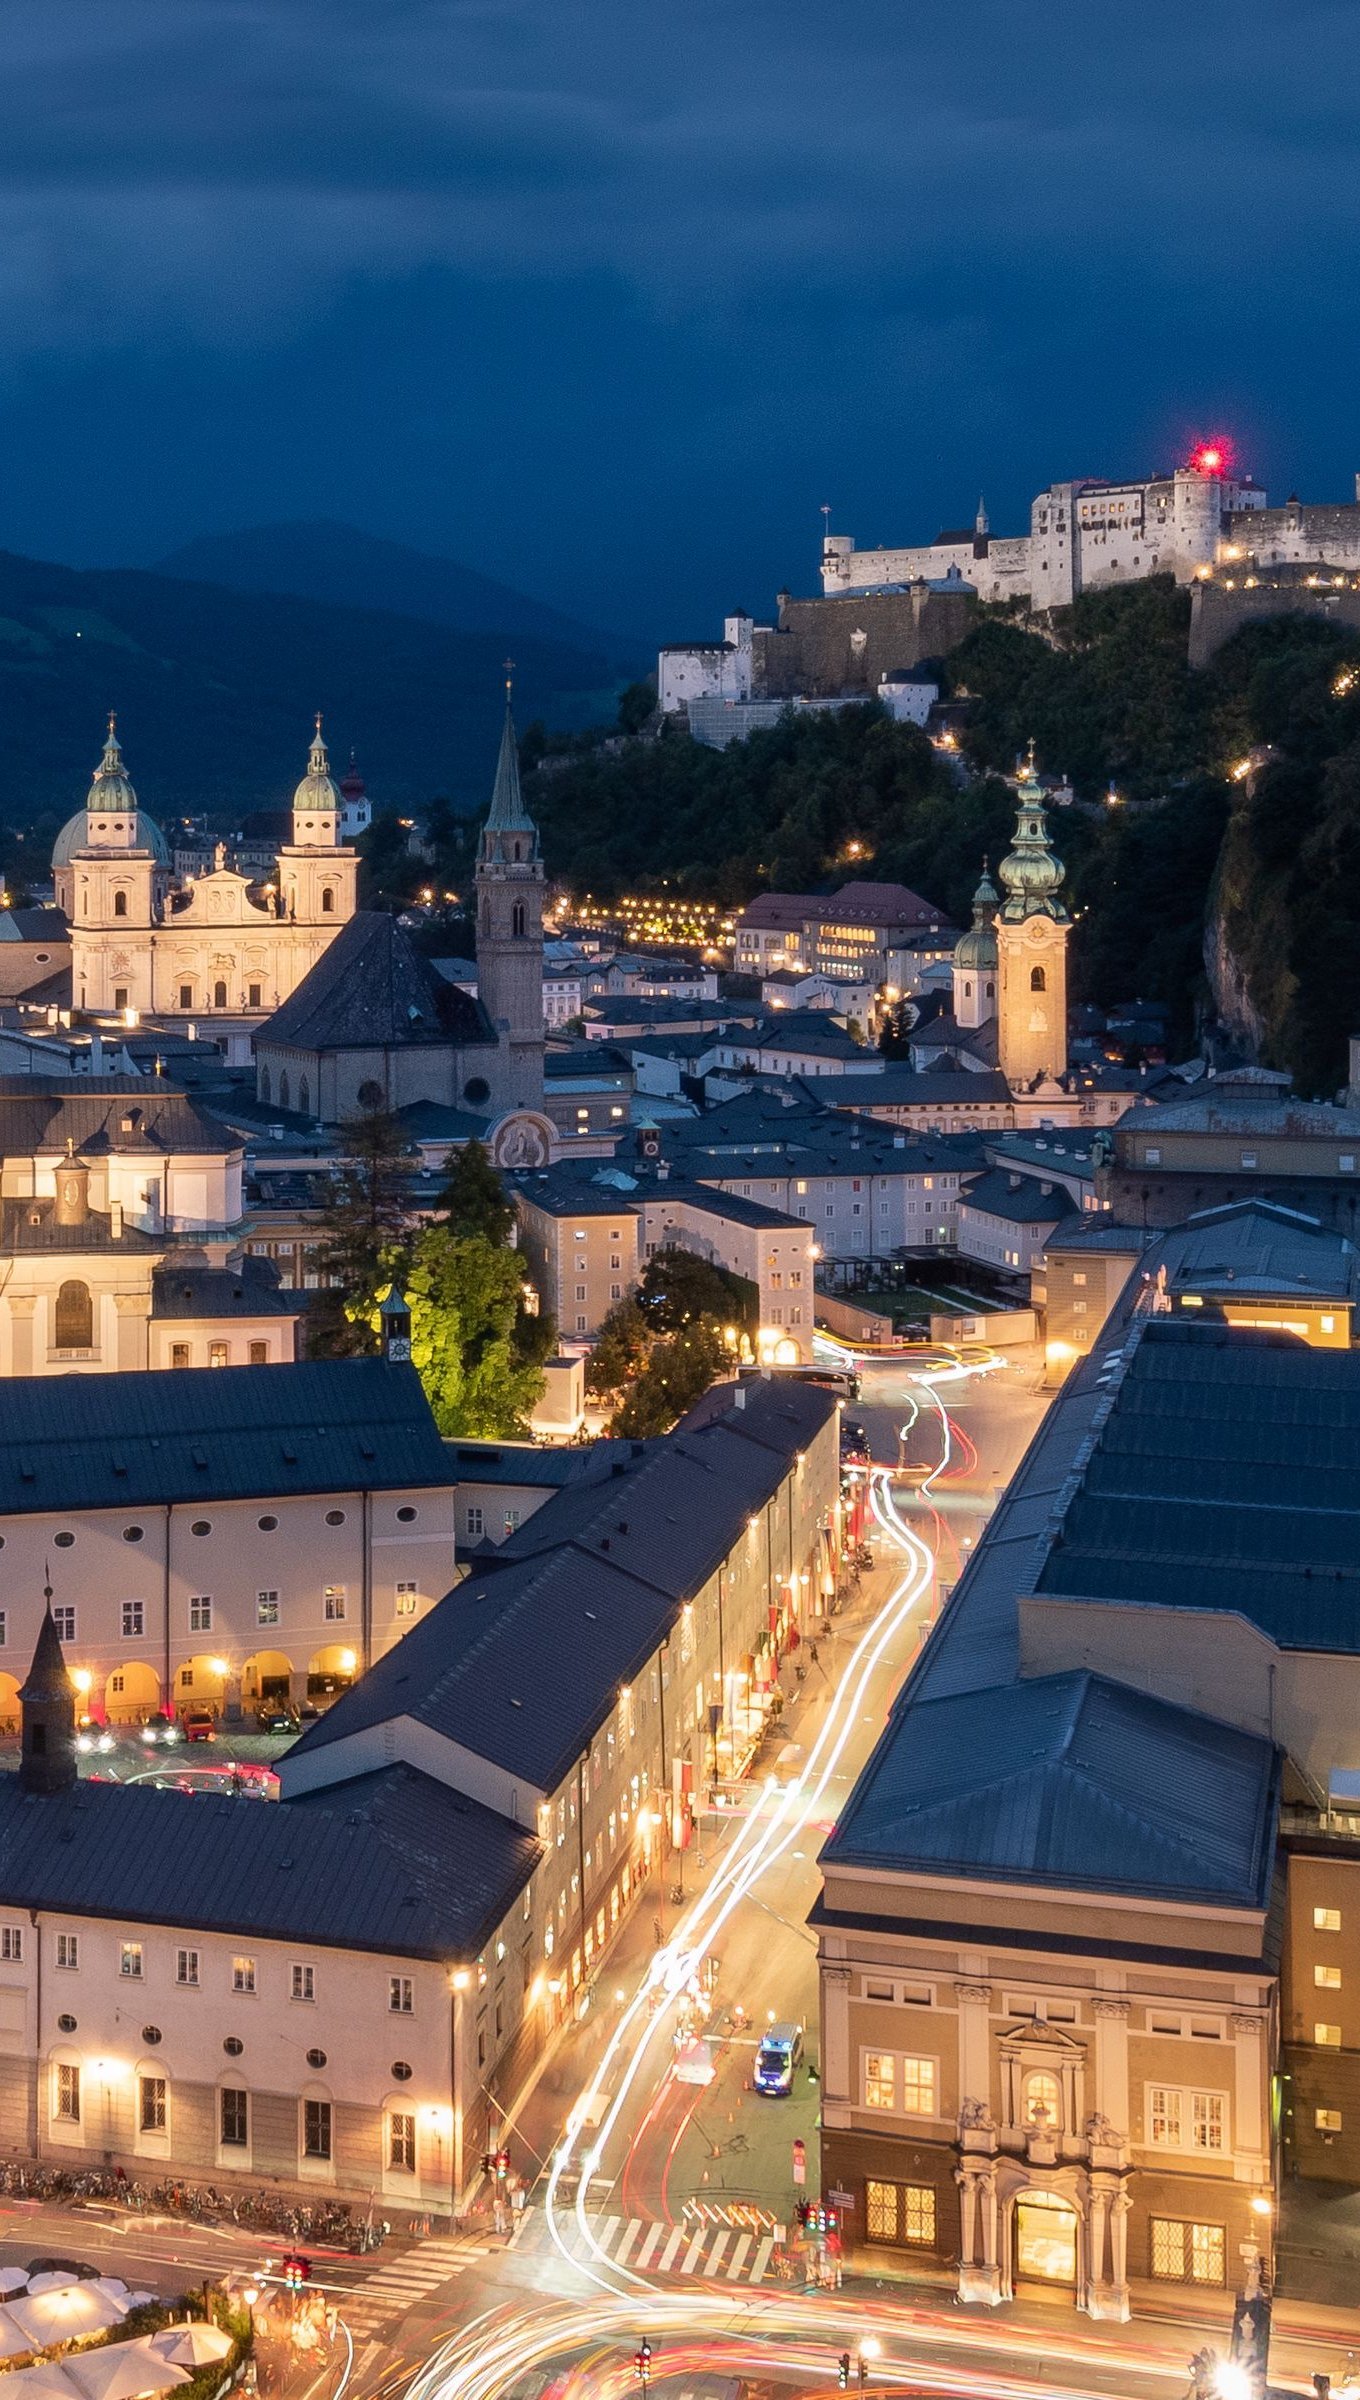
point(32, 1225)
point(103, 1113)
point(180, 1434)
point(250, 1290)
point(523, 1663)
point(1069, 1779)
point(47, 1678)
point(1019, 1199)
point(372, 989)
point(391, 1861)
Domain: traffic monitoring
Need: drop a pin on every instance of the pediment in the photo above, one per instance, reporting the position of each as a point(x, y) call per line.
point(1035, 2033)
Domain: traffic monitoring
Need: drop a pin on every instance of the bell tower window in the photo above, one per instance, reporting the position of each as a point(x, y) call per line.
point(120, 904)
point(517, 921)
point(1038, 981)
point(328, 902)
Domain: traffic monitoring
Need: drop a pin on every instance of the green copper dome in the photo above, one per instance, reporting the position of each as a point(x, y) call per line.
point(1030, 872)
point(975, 951)
point(111, 795)
point(317, 793)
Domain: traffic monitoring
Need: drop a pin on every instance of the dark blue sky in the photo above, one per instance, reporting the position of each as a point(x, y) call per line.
point(607, 296)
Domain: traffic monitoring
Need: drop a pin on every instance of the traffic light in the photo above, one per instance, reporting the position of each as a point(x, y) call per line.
point(502, 2164)
point(843, 2370)
point(297, 2270)
point(642, 2360)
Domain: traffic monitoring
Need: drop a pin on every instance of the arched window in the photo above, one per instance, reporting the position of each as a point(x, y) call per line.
point(328, 902)
point(75, 1317)
point(968, 991)
point(264, 1083)
point(1043, 2100)
point(304, 1096)
point(120, 904)
point(283, 1089)
point(991, 991)
point(1038, 981)
point(219, 995)
point(517, 921)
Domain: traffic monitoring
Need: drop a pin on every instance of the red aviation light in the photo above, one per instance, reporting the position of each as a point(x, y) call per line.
point(1211, 458)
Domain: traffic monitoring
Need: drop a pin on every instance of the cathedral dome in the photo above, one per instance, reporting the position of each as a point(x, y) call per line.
point(318, 791)
point(110, 795)
point(1029, 871)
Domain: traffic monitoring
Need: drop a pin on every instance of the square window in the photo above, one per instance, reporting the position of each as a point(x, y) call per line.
point(1327, 2037)
point(130, 1961)
point(1327, 1920)
point(234, 2120)
point(918, 2087)
point(133, 1619)
point(880, 2079)
point(243, 1974)
point(200, 1613)
point(68, 1951)
point(1327, 1979)
point(1327, 2120)
point(400, 1995)
point(266, 1608)
point(151, 2103)
point(303, 1984)
point(186, 1968)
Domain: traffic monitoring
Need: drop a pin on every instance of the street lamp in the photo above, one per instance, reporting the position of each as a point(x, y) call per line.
point(869, 2348)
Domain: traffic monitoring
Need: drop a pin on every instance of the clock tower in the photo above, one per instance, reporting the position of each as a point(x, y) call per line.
point(1032, 929)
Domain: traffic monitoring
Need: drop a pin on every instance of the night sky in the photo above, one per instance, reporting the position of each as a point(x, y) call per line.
point(607, 296)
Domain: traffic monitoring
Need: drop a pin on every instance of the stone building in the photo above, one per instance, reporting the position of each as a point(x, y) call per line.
point(218, 946)
point(1031, 932)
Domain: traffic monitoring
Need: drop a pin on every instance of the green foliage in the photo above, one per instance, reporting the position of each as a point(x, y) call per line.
point(679, 1287)
point(473, 1198)
point(621, 1348)
point(364, 1228)
point(479, 1356)
point(679, 1369)
point(636, 704)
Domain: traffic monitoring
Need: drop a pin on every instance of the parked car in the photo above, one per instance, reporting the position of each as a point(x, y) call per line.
point(277, 1716)
point(160, 1728)
point(200, 1725)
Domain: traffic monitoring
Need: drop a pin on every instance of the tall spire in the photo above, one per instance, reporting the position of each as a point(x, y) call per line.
point(508, 813)
point(47, 1708)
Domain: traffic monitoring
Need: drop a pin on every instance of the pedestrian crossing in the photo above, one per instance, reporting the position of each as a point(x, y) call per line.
point(404, 2282)
point(711, 2254)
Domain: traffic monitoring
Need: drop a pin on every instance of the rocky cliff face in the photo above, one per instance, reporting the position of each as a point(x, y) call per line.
point(1233, 1006)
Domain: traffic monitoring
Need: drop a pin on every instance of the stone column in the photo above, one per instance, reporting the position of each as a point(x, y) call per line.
point(837, 2095)
point(967, 2183)
point(1249, 2137)
point(1112, 2061)
point(1119, 2253)
point(21, 1314)
point(975, 2066)
point(1095, 2263)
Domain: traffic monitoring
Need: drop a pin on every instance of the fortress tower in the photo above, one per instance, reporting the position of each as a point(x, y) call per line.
point(1031, 945)
point(510, 932)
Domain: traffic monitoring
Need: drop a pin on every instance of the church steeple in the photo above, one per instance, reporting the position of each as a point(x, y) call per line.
point(47, 1707)
point(510, 930)
point(1032, 931)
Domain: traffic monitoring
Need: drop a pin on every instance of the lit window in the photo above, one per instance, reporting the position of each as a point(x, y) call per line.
point(1327, 1979)
point(151, 2103)
point(66, 2095)
point(266, 1608)
point(400, 1995)
point(1327, 1920)
point(1207, 2121)
point(918, 2087)
point(316, 2128)
point(880, 2079)
point(1327, 2037)
point(303, 1984)
point(186, 1966)
point(1188, 2253)
point(130, 1961)
point(1327, 2120)
point(1164, 2118)
point(336, 1602)
point(243, 1974)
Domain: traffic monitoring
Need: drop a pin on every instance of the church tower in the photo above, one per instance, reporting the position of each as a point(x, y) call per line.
point(110, 870)
point(47, 1709)
point(510, 932)
point(318, 875)
point(975, 960)
point(1031, 944)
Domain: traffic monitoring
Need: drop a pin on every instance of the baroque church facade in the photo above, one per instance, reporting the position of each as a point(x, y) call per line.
point(221, 944)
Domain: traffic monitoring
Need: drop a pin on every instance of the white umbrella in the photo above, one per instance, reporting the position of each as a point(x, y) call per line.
point(46, 2381)
point(13, 2279)
point(113, 2288)
point(123, 2371)
point(64, 2314)
point(192, 2345)
point(56, 2279)
point(12, 2338)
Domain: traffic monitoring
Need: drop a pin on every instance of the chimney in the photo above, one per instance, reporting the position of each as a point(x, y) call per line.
point(47, 1710)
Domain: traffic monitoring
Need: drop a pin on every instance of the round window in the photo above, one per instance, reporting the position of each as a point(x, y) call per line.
point(151, 2034)
point(66, 2024)
point(233, 2046)
point(476, 1089)
point(64, 1541)
point(316, 2058)
point(132, 1533)
point(401, 2072)
point(200, 1525)
point(269, 1524)
point(335, 1516)
point(405, 1516)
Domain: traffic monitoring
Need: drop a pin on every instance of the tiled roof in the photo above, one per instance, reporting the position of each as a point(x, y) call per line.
point(32, 1225)
point(1071, 1780)
point(103, 1113)
point(250, 1290)
point(392, 1861)
point(204, 1433)
point(1019, 1199)
point(372, 989)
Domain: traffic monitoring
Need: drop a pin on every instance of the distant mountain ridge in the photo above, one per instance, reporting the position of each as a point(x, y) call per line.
point(215, 691)
point(320, 559)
